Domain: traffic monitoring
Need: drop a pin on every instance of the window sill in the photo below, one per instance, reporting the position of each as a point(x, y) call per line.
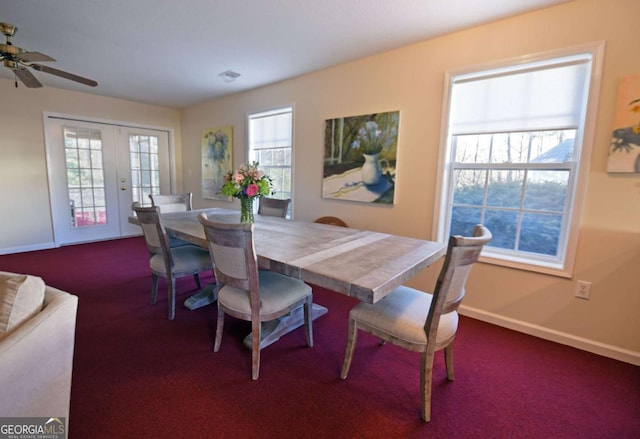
point(527, 265)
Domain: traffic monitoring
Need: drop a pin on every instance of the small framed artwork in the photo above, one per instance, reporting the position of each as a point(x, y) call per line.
point(624, 151)
point(217, 161)
point(360, 155)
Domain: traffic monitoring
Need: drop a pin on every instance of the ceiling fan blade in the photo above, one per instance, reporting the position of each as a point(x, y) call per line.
point(66, 75)
point(27, 77)
point(33, 57)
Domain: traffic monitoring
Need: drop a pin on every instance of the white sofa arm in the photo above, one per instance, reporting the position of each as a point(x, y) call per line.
point(36, 361)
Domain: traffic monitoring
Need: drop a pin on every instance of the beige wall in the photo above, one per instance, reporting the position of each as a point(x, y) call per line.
point(25, 219)
point(411, 80)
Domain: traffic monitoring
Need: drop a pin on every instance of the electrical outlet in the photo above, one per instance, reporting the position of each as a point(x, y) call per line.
point(583, 289)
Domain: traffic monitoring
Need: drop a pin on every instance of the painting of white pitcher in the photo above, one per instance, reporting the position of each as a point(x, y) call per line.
point(372, 169)
point(360, 157)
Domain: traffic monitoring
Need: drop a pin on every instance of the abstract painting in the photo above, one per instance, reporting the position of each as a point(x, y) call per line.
point(360, 154)
point(624, 150)
point(217, 154)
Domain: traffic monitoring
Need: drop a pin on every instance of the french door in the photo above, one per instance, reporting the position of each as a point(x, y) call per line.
point(96, 171)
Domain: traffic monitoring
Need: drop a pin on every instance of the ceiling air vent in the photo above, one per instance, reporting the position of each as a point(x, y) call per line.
point(229, 76)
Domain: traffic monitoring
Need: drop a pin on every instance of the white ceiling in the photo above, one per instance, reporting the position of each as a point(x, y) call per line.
point(171, 52)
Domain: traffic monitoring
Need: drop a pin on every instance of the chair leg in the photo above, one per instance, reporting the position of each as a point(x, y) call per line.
point(448, 361)
point(255, 348)
point(154, 288)
point(171, 296)
point(219, 328)
point(351, 345)
point(425, 383)
point(308, 321)
point(196, 277)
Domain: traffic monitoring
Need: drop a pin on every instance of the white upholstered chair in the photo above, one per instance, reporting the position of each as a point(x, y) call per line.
point(420, 321)
point(169, 262)
point(172, 202)
point(273, 207)
point(247, 293)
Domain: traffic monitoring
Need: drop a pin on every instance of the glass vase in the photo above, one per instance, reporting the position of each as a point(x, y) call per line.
point(246, 210)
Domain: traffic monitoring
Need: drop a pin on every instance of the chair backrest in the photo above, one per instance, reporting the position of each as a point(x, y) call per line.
point(234, 258)
point(462, 253)
point(273, 207)
point(173, 202)
point(331, 220)
point(155, 236)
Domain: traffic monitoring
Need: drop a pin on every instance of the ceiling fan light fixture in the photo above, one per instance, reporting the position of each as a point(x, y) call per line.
point(18, 60)
point(229, 76)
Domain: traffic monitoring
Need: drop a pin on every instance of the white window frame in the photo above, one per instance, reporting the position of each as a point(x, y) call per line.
point(266, 113)
point(563, 265)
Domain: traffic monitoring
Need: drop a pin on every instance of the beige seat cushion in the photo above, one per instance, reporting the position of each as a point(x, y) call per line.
point(186, 259)
point(403, 314)
point(21, 298)
point(277, 292)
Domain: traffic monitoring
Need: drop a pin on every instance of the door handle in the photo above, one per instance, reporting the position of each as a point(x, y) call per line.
point(123, 188)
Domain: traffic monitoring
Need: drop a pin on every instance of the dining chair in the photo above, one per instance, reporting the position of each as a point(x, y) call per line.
point(172, 202)
point(273, 207)
point(168, 262)
point(420, 321)
point(247, 293)
point(332, 220)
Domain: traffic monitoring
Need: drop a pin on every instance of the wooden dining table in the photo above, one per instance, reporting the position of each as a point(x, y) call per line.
point(362, 264)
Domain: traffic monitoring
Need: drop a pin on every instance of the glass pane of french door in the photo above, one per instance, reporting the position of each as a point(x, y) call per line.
point(145, 167)
point(85, 177)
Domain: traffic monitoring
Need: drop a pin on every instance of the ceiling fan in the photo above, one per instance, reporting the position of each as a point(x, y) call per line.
point(18, 60)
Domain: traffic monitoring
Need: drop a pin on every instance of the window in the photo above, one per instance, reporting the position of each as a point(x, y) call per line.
point(514, 156)
point(270, 144)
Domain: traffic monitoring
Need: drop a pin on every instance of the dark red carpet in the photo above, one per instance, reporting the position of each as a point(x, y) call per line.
point(138, 375)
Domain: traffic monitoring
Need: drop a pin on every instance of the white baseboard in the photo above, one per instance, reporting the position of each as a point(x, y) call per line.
point(26, 248)
point(584, 344)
